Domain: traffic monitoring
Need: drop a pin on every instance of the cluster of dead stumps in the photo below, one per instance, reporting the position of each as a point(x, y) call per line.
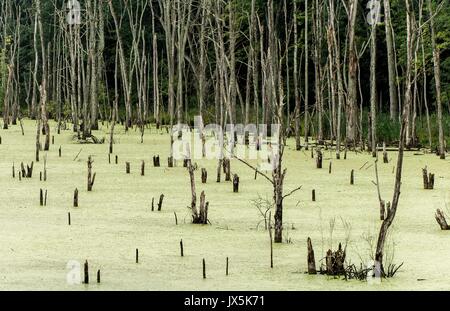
point(334, 264)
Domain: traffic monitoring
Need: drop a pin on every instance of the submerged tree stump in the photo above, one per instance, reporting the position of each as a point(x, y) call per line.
point(200, 215)
point(181, 248)
point(313, 195)
point(160, 203)
point(334, 262)
point(156, 161)
point(319, 159)
point(98, 276)
point(311, 259)
point(86, 272)
point(440, 218)
point(204, 269)
point(75, 198)
point(352, 177)
point(41, 197)
point(235, 183)
point(204, 175)
point(385, 154)
point(90, 178)
point(28, 173)
point(226, 169)
point(143, 168)
point(428, 179)
point(127, 168)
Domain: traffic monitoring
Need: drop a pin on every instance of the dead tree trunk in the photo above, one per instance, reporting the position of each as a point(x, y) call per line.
point(311, 259)
point(200, 215)
point(90, 178)
point(428, 179)
point(440, 218)
point(379, 253)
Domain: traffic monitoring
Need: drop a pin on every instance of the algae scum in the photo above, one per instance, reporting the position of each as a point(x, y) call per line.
point(115, 219)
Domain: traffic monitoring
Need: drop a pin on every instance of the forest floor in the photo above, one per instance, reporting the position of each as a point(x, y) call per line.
point(36, 243)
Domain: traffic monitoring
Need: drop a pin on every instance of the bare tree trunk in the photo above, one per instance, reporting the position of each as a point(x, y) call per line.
point(296, 84)
point(437, 80)
point(393, 102)
point(379, 254)
point(43, 88)
point(373, 86)
point(352, 107)
point(306, 124)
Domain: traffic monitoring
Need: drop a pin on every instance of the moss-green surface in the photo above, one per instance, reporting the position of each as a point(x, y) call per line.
point(112, 221)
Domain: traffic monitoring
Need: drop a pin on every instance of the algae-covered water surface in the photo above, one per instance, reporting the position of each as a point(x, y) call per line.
point(39, 247)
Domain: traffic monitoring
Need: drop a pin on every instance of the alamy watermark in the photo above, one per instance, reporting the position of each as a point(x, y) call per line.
point(74, 15)
point(374, 15)
point(212, 141)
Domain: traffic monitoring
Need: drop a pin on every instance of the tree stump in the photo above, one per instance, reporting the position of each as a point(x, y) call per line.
point(41, 197)
point(204, 269)
point(181, 248)
point(352, 177)
point(28, 173)
point(329, 168)
point(86, 272)
point(227, 169)
point(153, 204)
point(156, 161)
point(311, 259)
point(127, 167)
point(98, 276)
point(59, 151)
point(143, 168)
point(335, 262)
point(314, 195)
point(90, 178)
point(428, 179)
point(226, 269)
point(440, 218)
point(318, 159)
point(204, 175)
point(75, 198)
point(235, 183)
point(137, 255)
point(13, 171)
point(68, 218)
point(385, 154)
point(117, 159)
point(160, 203)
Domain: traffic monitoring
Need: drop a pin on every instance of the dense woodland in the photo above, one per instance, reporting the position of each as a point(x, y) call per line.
point(166, 61)
point(352, 74)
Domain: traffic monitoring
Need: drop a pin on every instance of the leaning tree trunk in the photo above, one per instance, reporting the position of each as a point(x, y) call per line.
point(379, 254)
